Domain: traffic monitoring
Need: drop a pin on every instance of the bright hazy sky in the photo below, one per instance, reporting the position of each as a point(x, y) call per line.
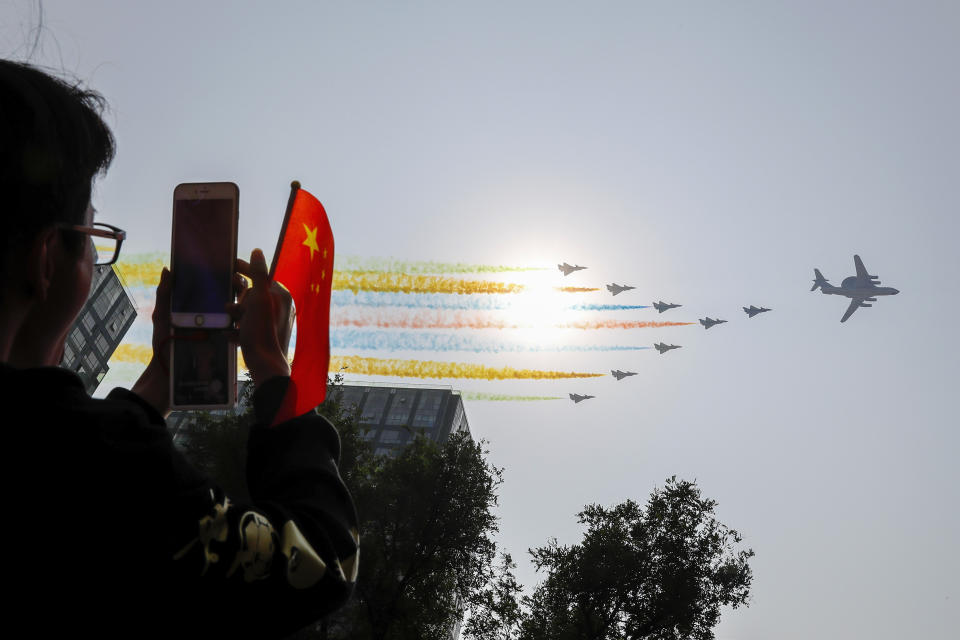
point(708, 153)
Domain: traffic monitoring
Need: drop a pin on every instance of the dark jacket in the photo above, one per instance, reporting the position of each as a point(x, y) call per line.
point(111, 530)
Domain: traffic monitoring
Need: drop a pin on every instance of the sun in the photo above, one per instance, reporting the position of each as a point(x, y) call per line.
point(539, 311)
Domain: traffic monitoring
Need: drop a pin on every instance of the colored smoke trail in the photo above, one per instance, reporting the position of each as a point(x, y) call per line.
point(419, 267)
point(400, 282)
point(361, 274)
point(453, 301)
point(608, 307)
point(141, 354)
point(456, 320)
point(614, 324)
point(414, 341)
point(421, 301)
point(142, 269)
point(576, 289)
point(499, 397)
point(137, 353)
point(357, 365)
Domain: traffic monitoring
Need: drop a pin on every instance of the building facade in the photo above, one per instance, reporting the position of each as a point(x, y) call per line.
point(104, 320)
point(394, 414)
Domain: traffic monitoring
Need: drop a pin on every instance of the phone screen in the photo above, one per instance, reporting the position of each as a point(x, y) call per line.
point(201, 367)
point(202, 261)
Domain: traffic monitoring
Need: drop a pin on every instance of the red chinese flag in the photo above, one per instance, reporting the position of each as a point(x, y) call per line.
point(304, 265)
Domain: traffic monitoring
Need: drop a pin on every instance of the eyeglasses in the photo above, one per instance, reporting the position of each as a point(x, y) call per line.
point(106, 239)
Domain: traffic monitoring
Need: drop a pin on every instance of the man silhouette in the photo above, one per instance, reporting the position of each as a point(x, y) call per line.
point(110, 529)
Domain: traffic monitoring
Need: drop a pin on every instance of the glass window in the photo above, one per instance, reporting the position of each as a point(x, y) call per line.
point(374, 406)
point(401, 407)
point(352, 397)
point(390, 436)
point(102, 345)
point(92, 361)
point(426, 415)
point(89, 322)
point(78, 338)
point(107, 296)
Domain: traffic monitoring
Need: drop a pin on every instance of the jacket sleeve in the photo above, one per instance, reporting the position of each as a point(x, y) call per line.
point(286, 557)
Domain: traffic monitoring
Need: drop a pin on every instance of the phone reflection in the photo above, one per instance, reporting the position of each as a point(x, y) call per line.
point(201, 366)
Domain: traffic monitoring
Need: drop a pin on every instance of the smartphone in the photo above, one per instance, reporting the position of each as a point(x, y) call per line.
point(203, 253)
point(203, 371)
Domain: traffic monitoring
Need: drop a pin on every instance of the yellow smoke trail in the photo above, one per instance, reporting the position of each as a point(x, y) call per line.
point(146, 273)
point(138, 353)
point(440, 370)
point(357, 281)
point(500, 397)
point(576, 289)
point(466, 320)
point(142, 274)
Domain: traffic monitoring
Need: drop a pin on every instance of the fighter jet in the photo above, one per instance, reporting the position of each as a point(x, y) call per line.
point(861, 288)
point(709, 322)
point(752, 310)
point(578, 398)
point(663, 348)
point(620, 375)
point(663, 306)
point(618, 288)
point(567, 269)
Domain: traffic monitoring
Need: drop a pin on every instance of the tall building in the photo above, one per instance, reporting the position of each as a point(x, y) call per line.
point(104, 320)
point(394, 414)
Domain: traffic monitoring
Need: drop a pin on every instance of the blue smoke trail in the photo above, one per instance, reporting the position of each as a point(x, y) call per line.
point(432, 341)
point(608, 307)
point(451, 301)
point(420, 300)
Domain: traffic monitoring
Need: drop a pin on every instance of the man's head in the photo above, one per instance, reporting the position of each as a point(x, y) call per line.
point(53, 143)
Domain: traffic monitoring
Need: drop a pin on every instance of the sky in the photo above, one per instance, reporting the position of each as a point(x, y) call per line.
point(709, 154)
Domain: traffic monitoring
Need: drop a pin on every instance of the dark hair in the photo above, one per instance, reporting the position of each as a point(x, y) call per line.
point(53, 141)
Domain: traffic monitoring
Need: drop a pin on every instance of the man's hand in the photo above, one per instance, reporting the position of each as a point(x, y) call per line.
point(263, 312)
point(154, 384)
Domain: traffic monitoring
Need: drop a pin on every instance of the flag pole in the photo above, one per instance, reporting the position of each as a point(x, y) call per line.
point(294, 187)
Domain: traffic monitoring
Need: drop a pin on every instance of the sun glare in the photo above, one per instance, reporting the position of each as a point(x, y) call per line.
point(538, 310)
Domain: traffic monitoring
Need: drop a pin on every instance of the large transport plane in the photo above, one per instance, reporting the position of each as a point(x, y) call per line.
point(861, 288)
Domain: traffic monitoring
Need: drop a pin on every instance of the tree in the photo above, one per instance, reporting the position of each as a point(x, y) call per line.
point(662, 572)
point(427, 548)
point(496, 612)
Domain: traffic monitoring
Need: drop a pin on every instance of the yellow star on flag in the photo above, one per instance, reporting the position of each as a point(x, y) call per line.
point(311, 240)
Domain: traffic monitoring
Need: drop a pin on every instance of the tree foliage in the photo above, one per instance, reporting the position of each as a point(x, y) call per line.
point(662, 572)
point(427, 549)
